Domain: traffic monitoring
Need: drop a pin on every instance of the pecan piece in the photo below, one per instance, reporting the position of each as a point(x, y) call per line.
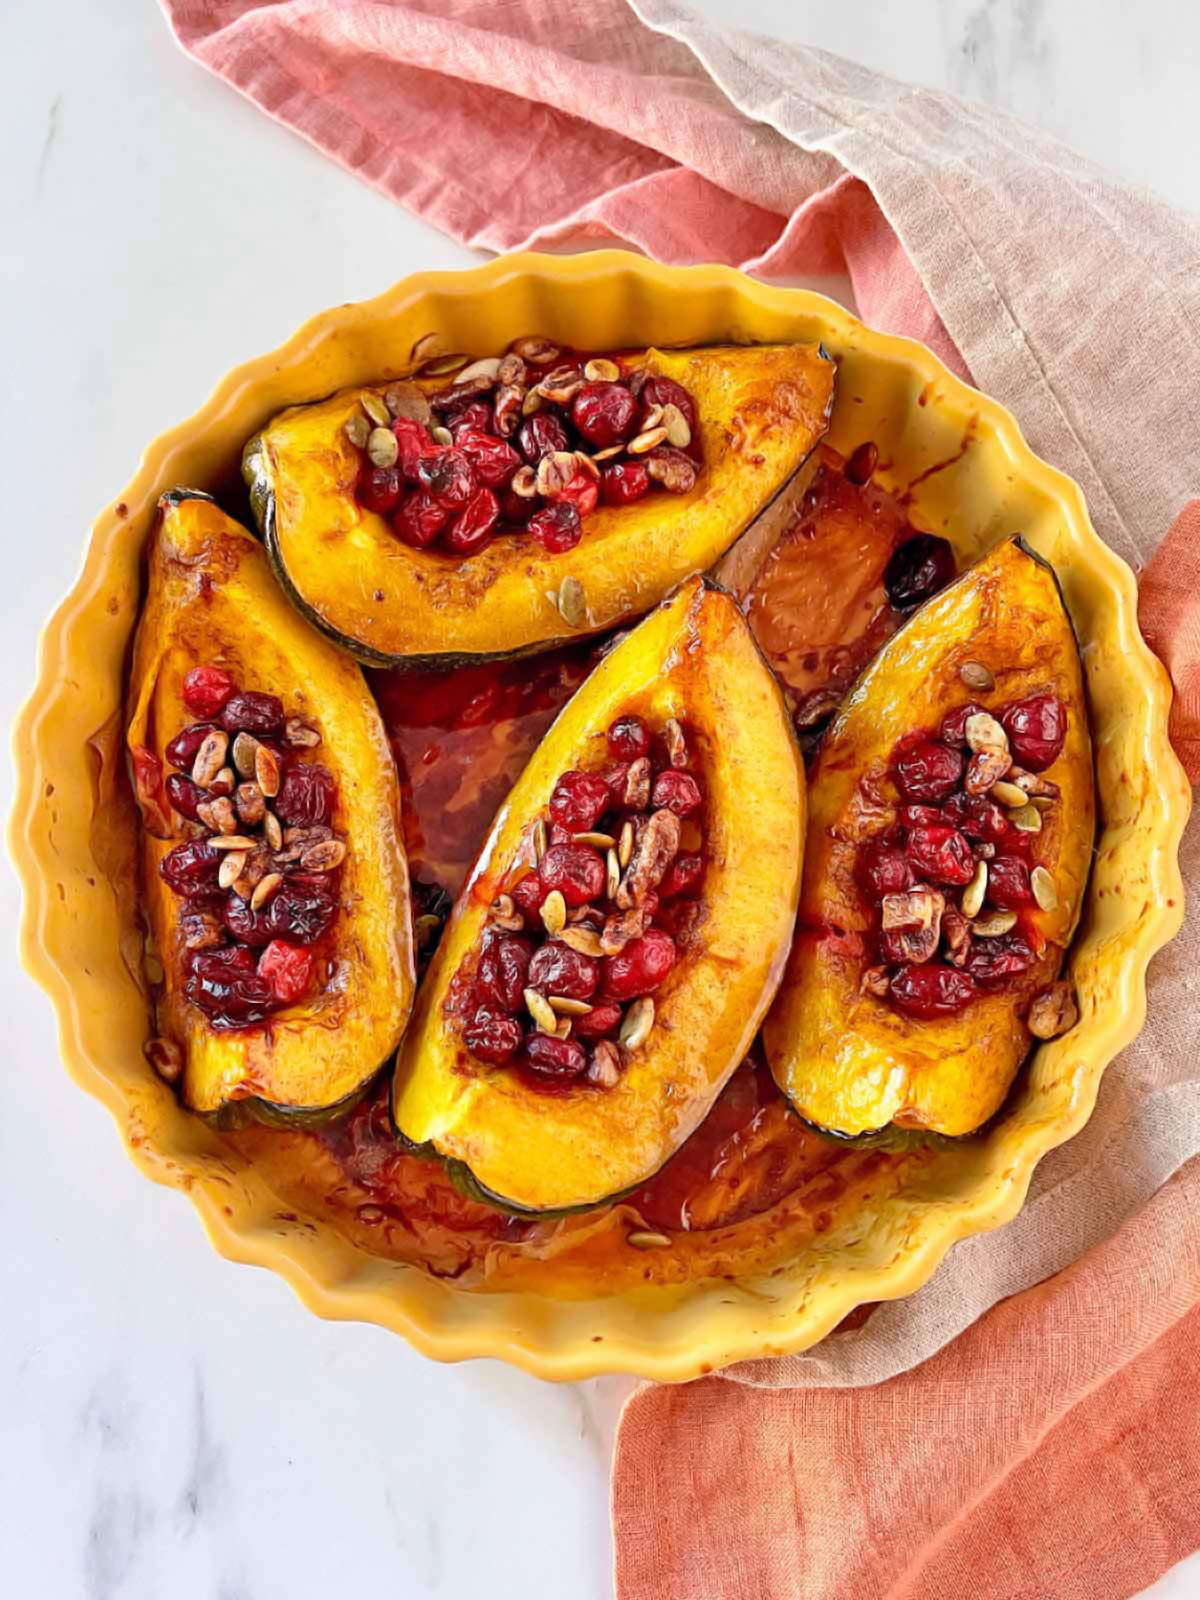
point(956, 935)
point(1053, 1011)
point(986, 767)
point(622, 928)
point(655, 848)
point(637, 784)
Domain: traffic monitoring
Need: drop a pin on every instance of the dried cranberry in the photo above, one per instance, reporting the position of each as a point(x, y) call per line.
point(231, 1003)
point(288, 970)
point(921, 816)
point(303, 908)
point(476, 416)
point(931, 990)
point(884, 869)
point(918, 568)
point(251, 927)
point(575, 870)
point(954, 723)
point(472, 530)
point(557, 969)
point(629, 738)
point(493, 461)
point(516, 509)
point(181, 751)
point(976, 816)
point(529, 894)
point(604, 413)
point(928, 771)
point(579, 800)
point(582, 492)
point(603, 1019)
point(640, 967)
point(1037, 730)
point(415, 444)
point(676, 791)
point(557, 527)
point(666, 392)
point(305, 796)
point(253, 712)
point(232, 961)
point(191, 869)
point(492, 1037)
point(555, 1058)
point(380, 488)
point(446, 476)
point(993, 961)
point(206, 690)
point(539, 435)
point(623, 482)
point(419, 520)
point(1008, 883)
point(185, 796)
point(682, 876)
point(502, 974)
point(940, 853)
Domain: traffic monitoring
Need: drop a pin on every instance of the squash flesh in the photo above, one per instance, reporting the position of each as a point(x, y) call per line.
point(846, 1060)
point(212, 598)
point(761, 411)
point(695, 659)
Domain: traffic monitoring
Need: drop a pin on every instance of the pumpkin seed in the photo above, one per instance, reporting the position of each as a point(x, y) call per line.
point(524, 483)
point(488, 367)
point(587, 464)
point(602, 841)
point(554, 913)
point(540, 1009)
point(536, 350)
point(267, 772)
point(1042, 802)
point(637, 1023)
point(585, 940)
point(554, 472)
point(382, 448)
point(678, 431)
point(230, 869)
point(601, 371)
point(405, 399)
point(1008, 794)
point(272, 831)
point(531, 403)
point(644, 1239)
point(646, 441)
point(976, 676)
point(625, 845)
point(1043, 888)
point(541, 838)
point(652, 418)
point(210, 757)
point(973, 895)
point(612, 874)
point(1027, 818)
point(358, 430)
point(377, 410)
point(439, 366)
point(232, 841)
point(571, 604)
point(563, 1031)
point(441, 435)
point(985, 733)
point(567, 1007)
point(994, 924)
point(265, 890)
point(323, 857)
point(607, 455)
point(245, 746)
point(426, 928)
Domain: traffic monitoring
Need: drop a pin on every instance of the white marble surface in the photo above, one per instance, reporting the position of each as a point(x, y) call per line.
point(170, 1424)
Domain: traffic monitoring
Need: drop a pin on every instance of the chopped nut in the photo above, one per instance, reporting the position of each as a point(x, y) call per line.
point(612, 871)
point(299, 736)
point(993, 924)
point(585, 940)
point(218, 814)
point(652, 418)
point(586, 917)
point(538, 352)
point(985, 768)
point(656, 847)
point(679, 433)
point(956, 936)
point(602, 841)
point(210, 757)
point(622, 928)
point(230, 869)
point(382, 448)
point(505, 914)
point(426, 928)
point(976, 676)
point(441, 435)
point(1044, 892)
point(511, 370)
point(677, 752)
point(251, 807)
point(540, 1010)
point(644, 1239)
point(675, 471)
point(984, 850)
point(609, 453)
point(1053, 1012)
point(232, 841)
point(486, 371)
point(637, 784)
point(554, 472)
point(554, 913)
point(637, 1023)
point(975, 892)
point(912, 908)
point(1034, 785)
point(406, 399)
point(985, 733)
point(224, 783)
point(531, 403)
point(586, 464)
point(1027, 818)
point(439, 366)
point(566, 1007)
point(1007, 794)
point(604, 1070)
point(562, 385)
point(625, 844)
point(643, 443)
point(524, 483)
point(506, 409)
point(358, 430)
point(245, 747)
point(323, 857)
point(265, 889)
point(201, 930)
point(874, 981)
point(272, 831)
point(375, 408)
point(267, 771)
point(165, 1056)
point(815, 707)
point(601, 370)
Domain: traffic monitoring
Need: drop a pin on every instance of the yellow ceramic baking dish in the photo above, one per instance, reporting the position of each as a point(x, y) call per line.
point(74, 931)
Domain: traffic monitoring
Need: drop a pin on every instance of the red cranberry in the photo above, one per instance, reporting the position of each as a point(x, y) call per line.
point(472, 530)
point(682, 876)
point(380, 488)
point(557, 969)
point(493, 461)
point(539, 435)
point(529, 894)
point(629, 738)
point(250, 927)
point(931, 990)
point(232, 1003)
point(557, 527)
point(928, 771)
point(921, 816)
point(676, 791)
point(305, 796)
point(206, 690)
point(976, 816)
point(884, 869)
point(582, 492)
point(185, 796)
point(252, 712)
point(1037, 730)
point(666, 392)
point(287, 969)
point(640, 967)
point(918, 568)
point(993, 961)
point(516, 509)
point(492, 1036)
point(231, 961)
point(503, 973)
point(446, 475)
point(623, 482)
point(602, 1020)
point(555, 1058)
point(181, 751)
point(579, 800)
point(198, 925)
point(415, 444)
point(1008, 883)
point(302, 908)
point(419, 520)
point(191, 870)
point(475, 417)
point(954, 723)
point(940, 853)
point(575, 870)
point(604, 414)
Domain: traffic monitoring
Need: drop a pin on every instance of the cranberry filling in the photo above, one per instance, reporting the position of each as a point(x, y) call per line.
point(584, 933)
point(253, 909)
point(953, 885)
point(519, 449)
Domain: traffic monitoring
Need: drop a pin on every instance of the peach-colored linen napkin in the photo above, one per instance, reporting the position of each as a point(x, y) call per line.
point(1039, 1453)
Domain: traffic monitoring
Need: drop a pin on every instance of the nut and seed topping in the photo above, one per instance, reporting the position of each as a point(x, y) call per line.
point(441, 435)
point(532, 403)
point(679, 433)
point(566, 1007)
point(622, 928)
point(993, 924)
point(524, 483)
point(585, 941)
point(1007, 794)
point(231, 868)
point(245, 747)
point(267, 773)
point(645, 442)
point(375, 408)
point(986, 768)
point(983, 732)
point(358, 430)
point(974, 893)
point(486, 370)
point(976, 676)
point(653, 852)
point(1053, 1012)
point(572, 604)
point(1027, 818)
point(541, 838)
point(440, 366)
point(218, 815)
point(637, 784)
point(232, 841)
point(210, 757)
point(1044, 892)
point(264, 890)
point(382, 448)
point(601, 370)
point(562, 385)
point(298, 735)
point(505, 914)
point(323, 857)
point(874, 981)
point(554, 472)
point(645, 1239)
point(272, 831)
point(602, 841)
point(605, 1067)
point(251, 807)
point(677, 750)
point(625, 844)
point(554, 913)
point(540, 1009)
point(538, 352)
point(407, 400)
point(426, 929)
point(511, 370)
point(637, 1023)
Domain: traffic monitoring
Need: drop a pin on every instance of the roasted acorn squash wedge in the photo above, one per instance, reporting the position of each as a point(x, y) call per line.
point(694, 659)
point(212, 599)
point(762, 409)
point(852, 1062)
